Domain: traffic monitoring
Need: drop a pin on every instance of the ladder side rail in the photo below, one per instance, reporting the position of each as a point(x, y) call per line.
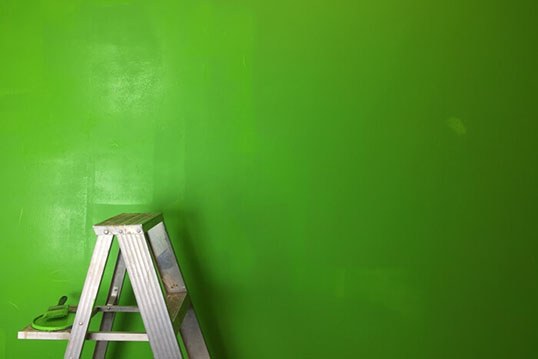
point(166, 259)
point(150, 299)
point(172, 278)
point(87, 298)
point(192, 336)
point(112, 298)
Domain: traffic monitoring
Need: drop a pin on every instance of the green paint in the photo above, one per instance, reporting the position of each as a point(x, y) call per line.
point(340, 180)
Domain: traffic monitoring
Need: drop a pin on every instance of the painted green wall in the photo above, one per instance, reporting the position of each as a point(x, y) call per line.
point(340, 180)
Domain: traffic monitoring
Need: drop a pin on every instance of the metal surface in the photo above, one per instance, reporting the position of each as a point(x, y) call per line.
point(177, 303)
point(128, 223)
point(166, 259)
point(192, 336)
point(112, 298)
point(31, 333)
point(117, 309)
point(149, 296)
point(87, 298)
point(118, 336)
point(109, 308)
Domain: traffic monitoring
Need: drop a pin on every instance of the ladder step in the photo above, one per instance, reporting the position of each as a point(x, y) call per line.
point(177, 303)
point(117, 308)
point(128, 223)
point(117, 336)
point(31, 333)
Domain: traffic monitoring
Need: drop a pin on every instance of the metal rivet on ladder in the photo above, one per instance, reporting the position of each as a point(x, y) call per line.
point(80, 323)
point(106, 231)
point(120, 231)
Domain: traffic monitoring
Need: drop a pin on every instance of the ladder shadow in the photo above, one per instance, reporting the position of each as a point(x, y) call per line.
point(184, 247)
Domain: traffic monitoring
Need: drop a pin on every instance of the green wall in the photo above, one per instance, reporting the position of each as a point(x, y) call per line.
point(340, 180)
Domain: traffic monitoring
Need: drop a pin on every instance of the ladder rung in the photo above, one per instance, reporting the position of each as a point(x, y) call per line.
point(109, 308)
point(117, 336)
point(117, 308)
point(31, 333)
point(178, 303)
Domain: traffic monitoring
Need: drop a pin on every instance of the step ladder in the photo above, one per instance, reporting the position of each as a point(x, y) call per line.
point(144, 246)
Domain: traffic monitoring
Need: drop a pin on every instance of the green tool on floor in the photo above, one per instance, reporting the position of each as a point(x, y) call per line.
point(56, 317)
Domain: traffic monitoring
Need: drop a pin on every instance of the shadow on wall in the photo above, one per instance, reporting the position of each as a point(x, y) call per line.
point(195, 275)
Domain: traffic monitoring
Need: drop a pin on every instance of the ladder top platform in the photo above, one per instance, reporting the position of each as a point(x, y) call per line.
point(128, 223)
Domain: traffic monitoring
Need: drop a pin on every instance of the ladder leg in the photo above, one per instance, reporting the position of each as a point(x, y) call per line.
point(112, 299)
point(173, 283)
point(192, 336)
point(87, 299)
point(166, 260)
point(147, 290)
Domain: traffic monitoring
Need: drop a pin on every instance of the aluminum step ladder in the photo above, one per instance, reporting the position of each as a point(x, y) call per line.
point(144, 246)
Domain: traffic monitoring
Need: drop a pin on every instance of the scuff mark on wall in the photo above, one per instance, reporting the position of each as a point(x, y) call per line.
point(20, 218)
point(14, 305)
point(456, 125)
